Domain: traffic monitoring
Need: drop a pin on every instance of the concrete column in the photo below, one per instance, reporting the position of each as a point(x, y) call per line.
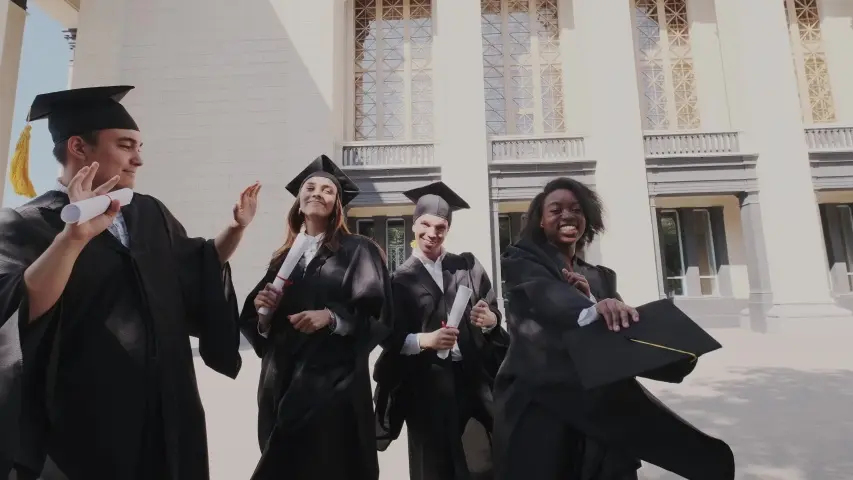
point(12, 19)
point(836, 23)
point(708, 65)
point(460, 122)
point(613, 121)
point(691, 254)
point(760, 292)
point(494, 213)
point(774, 131)
point(721, 252)
point(834, 232)
point(98, 48)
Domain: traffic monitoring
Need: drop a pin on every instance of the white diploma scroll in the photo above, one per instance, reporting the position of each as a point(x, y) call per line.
point(300, 246)
point(85, 210)
point(454, 318)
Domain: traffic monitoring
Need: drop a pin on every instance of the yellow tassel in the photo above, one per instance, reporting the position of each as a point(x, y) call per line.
point(19, 173)
point(414, 244)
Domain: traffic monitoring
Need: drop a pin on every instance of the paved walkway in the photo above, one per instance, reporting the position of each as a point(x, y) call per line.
point(783, 401)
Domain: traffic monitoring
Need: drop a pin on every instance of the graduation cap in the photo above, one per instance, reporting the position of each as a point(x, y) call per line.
point(436, 199)
point(323, 166)
point(664, 345)
point(69, 113)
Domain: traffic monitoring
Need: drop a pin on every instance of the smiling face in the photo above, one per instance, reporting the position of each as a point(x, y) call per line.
point(118, 152)
point(563, 220)
point(317, 197)
point(430, 231)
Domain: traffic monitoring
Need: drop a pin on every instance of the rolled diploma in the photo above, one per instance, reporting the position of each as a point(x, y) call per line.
point(300, 245)
point(454, 318)
point(85, 210)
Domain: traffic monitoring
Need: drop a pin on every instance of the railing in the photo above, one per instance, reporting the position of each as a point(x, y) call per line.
point(379, 154)
point(691, 144)
point(829, 139)
point(538, 149)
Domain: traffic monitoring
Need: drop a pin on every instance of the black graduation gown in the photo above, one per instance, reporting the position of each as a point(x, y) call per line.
point(103, 385)
point(315, 411)
point(437, 397)
point(537, 391)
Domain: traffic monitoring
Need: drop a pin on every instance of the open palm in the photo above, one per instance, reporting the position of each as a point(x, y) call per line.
point(247, 205)
point(80, 188)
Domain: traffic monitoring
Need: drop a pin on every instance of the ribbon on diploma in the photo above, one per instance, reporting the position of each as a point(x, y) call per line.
point(454, 318)
point(297, 250)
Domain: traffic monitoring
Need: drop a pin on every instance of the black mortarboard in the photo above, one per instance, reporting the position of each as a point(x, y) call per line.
point(664, 345)
point(435, 199)
point(323, 166)
point(69, 113)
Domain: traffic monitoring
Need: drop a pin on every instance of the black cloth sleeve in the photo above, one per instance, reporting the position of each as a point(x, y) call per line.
point(209, 297)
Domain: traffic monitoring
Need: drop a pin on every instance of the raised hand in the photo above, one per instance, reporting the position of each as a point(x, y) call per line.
point(616, 314)
point(482, 316)
point(578, 281)
point(80, 188)
point(247, 205)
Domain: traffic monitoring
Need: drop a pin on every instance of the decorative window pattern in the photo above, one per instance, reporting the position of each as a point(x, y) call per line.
point(393, 69)
point(665, 65)
point(523, 71)
point(395, 243)
point(810, 61)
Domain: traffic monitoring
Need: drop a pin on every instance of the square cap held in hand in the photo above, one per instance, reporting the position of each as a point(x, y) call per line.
point(664, 345)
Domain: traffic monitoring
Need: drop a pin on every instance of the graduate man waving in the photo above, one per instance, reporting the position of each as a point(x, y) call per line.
point(96, 369)
point(435, 396)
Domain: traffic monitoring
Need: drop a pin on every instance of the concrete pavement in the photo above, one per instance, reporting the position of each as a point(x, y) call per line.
point(783, 401)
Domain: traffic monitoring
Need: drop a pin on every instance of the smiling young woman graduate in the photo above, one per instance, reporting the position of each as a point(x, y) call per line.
point(315, 411)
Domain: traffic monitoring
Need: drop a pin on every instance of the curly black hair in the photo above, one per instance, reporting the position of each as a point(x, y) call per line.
point(589, 201)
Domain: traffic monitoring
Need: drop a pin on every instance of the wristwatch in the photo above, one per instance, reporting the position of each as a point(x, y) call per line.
point(333, 322)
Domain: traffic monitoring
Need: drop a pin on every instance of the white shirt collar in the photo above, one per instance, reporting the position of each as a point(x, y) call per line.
point(417, 253)
point(59, 187)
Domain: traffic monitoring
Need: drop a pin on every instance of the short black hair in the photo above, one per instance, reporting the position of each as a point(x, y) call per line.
point(60, 150)
point(590, 203)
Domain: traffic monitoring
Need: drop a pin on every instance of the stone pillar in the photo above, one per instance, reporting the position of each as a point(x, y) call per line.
point(711, 88)
point(12, 19)
point(774, 130)
point(613, 121)
point(460, 123)
point(760, 293)
point(98, 47)
point(836, 17)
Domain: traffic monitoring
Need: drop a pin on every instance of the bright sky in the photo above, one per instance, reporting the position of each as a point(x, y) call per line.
point(44, 68)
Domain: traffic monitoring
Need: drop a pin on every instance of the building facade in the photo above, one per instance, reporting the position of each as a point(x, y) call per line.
point(719, 133)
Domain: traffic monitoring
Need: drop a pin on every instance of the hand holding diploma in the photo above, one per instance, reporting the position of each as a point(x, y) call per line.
point(297, 250)
point(454, 318)
point(79, 192)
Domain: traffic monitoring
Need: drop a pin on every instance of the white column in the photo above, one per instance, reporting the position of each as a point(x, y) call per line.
point(837, 32)
point(12, 19)
point(98, 50)
point(796, 258)
point(571, 53)
point(708, 66)
point(613, 121)
point(460, 122)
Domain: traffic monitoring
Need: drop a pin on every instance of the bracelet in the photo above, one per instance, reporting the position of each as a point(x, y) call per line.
point(333, 323)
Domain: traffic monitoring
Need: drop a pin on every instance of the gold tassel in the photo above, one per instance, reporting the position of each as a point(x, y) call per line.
point(19, 173)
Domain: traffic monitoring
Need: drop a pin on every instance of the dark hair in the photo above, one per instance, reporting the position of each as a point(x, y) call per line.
point(589, 202)
point(335, 229)
point(60, 150)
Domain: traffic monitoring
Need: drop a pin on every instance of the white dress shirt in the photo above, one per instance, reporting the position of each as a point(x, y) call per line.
point(341, 327)
point(118, 227)
point(412, 346)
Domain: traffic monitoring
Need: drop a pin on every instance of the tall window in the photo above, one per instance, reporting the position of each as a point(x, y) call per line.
point(522, 67)
point(706, 260)
point(673, 253)
point(504, 231)
point(665, 65)
point(393, 69)
point(366, 228)
point(810, 61)
point(846, 220)
point(395, 243)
